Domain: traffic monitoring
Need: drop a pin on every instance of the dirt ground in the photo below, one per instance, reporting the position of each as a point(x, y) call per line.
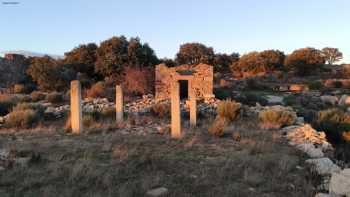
point(254, 163)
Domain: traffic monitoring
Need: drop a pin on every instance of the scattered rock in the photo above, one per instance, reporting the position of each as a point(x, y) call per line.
point(340, 183)
point(322, 195)
point(22, 161)
point(323, 166)
point(300, 121)
point(157, 192)
point(4, 154)
point(275, 100)
point(329, 99)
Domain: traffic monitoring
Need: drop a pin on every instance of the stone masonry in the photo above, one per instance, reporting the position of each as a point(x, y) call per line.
point(202, 80)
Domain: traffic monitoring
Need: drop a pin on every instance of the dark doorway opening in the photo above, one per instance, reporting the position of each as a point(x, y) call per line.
point(183, 89)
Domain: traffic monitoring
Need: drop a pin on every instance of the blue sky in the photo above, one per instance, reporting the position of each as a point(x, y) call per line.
point(57, 26)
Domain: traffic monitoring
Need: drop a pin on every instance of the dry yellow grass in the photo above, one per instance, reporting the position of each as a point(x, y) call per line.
point(275, 119)
point(228, 109)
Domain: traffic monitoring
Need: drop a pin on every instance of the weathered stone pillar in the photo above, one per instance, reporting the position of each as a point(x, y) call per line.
point(75, 107)
point(193, 105)
point(175, 110)
point(119, 108)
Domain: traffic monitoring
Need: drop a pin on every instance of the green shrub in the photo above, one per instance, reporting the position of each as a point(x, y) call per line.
point(161, 110)
point(250, 98)
point(335, 122)
point(290, 100)
point(228, 109)
point(315, 85)
point(274, 118)
point(255, 84)
point(54, 97)
point(24, 116)
point(37, 96)
point(222, 93)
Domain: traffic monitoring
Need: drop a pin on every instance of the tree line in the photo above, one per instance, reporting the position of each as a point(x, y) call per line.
point(117, 57)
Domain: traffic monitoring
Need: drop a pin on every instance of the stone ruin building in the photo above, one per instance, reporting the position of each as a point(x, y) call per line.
point(200, 76)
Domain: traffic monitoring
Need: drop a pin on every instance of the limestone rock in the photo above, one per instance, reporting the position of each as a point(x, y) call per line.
point(311, 150)
point(329, 99)
point(22, 161)
point(4, 154)
point(323, 166)
point(276, 100)
point(161, 191)
point(306, 134)
point(323, 195)
point(340, 183)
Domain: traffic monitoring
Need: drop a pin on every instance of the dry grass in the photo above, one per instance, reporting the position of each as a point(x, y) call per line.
point(228, 109)
point(259, 164)
point(275, 119)
point(218, 126)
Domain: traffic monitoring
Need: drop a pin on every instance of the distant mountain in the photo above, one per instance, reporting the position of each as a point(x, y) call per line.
point(31, 54)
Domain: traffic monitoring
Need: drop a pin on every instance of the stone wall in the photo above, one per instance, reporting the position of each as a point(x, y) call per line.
point(202, 80)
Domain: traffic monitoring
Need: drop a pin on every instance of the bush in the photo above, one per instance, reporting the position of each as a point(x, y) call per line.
point(228, 109)
point(139, 81)
point(54, 97)
point(255, 84)
point(335, 122)
point(337, 84)
point(304, 61)
point(315, 85)
point(275, 118)
point(37, 96)
point(7, 102)
point(108, 112)
point(218, 126)
point(250, 98)
point(97, 90)
point(222, 93)
point(161, 110)
point(24, 116)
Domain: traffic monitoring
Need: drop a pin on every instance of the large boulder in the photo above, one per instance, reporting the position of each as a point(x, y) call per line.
point(323, 166)
point(305, 134)
point(340, 183)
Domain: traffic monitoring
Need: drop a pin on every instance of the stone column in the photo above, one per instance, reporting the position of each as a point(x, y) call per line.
point(193, 104)
point(175, 110)
point(119, 108)
point(75, 107)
